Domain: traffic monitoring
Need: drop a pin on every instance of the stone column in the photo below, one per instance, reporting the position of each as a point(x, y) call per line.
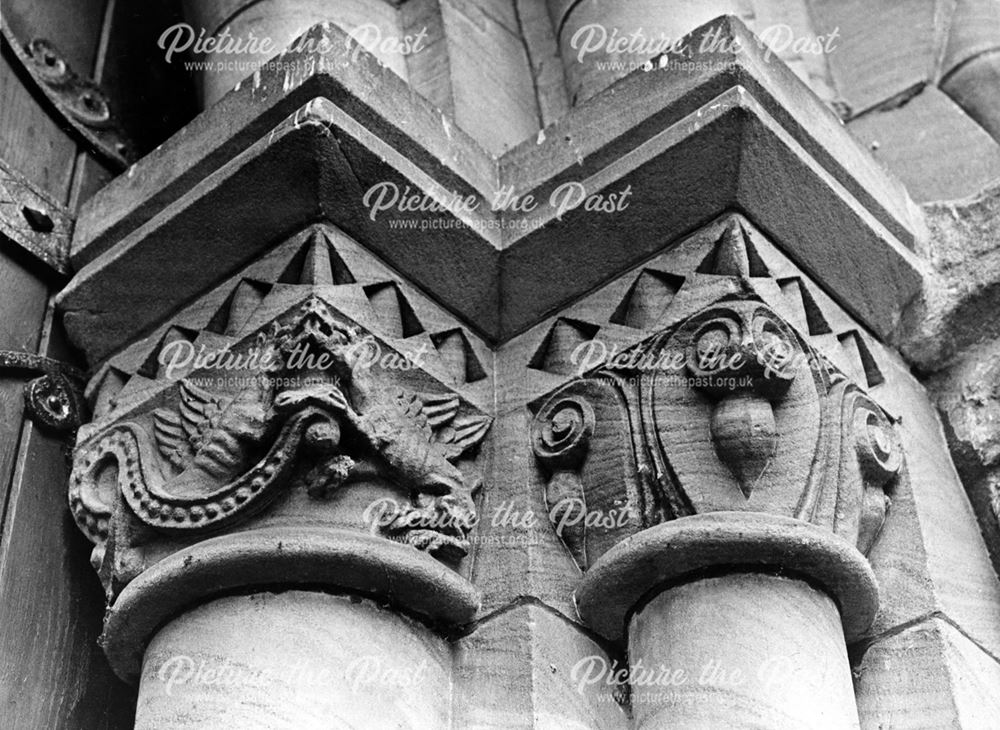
point(236, 24)
point(195, 495)
point(602, 41)
point(733, 621)
point(294, 659)
point(970, 68)
point(469, 62)
point(738, 572)
point(785, 664)
point(236, 628)
point(279, 547)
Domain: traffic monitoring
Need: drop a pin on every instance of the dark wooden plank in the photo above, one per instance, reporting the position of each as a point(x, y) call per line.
point(35, 141)
point(32, 141)
point(53, 676)
point(73, 27)
point(24, 295)
point(153, 98)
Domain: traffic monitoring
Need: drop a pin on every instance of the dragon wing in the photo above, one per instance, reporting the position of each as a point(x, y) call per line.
point(436, 416)
point(179, 431)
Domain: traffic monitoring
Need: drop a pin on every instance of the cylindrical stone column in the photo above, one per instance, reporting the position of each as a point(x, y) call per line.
point(970, 68)
point(468, 64)
point(601, 41)
point(297, 659)
point(277, 23)
point(744, 650)
point(290, 627)
point(734, 619)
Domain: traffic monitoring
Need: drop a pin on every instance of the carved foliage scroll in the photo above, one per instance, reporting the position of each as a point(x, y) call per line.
point(731, 410)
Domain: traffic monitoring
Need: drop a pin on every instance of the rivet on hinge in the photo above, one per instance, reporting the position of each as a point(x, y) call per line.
point(55, 399)
point(81, 103)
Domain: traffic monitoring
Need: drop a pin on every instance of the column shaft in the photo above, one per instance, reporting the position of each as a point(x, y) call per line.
point(296, 659)
point(375, 24)
point(742, 650)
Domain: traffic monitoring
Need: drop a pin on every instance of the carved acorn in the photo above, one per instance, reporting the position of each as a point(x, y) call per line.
point(742, 355)
point(745, 436)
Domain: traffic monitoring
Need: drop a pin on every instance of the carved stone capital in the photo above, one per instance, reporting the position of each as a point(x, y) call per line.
point(303, 449)
point(729, 410)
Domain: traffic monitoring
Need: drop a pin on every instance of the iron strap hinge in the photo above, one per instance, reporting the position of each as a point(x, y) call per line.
point(55, 398)
point(81, 104)
point(33, 221)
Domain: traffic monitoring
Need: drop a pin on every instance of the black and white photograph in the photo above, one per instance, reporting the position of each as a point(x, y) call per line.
point(499, 364)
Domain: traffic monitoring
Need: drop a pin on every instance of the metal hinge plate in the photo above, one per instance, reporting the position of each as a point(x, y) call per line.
point(80, 102)
point(55, 399)
point(33, 221)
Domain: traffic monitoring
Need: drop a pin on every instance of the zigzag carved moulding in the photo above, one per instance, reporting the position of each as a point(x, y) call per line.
point(716, 383)
point(302, 389)
point(191, 452)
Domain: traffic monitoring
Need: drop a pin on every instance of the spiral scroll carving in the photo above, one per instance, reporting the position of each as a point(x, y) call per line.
point(751, 418)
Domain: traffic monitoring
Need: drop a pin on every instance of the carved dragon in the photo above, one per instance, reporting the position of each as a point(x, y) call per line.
point(215, 459)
